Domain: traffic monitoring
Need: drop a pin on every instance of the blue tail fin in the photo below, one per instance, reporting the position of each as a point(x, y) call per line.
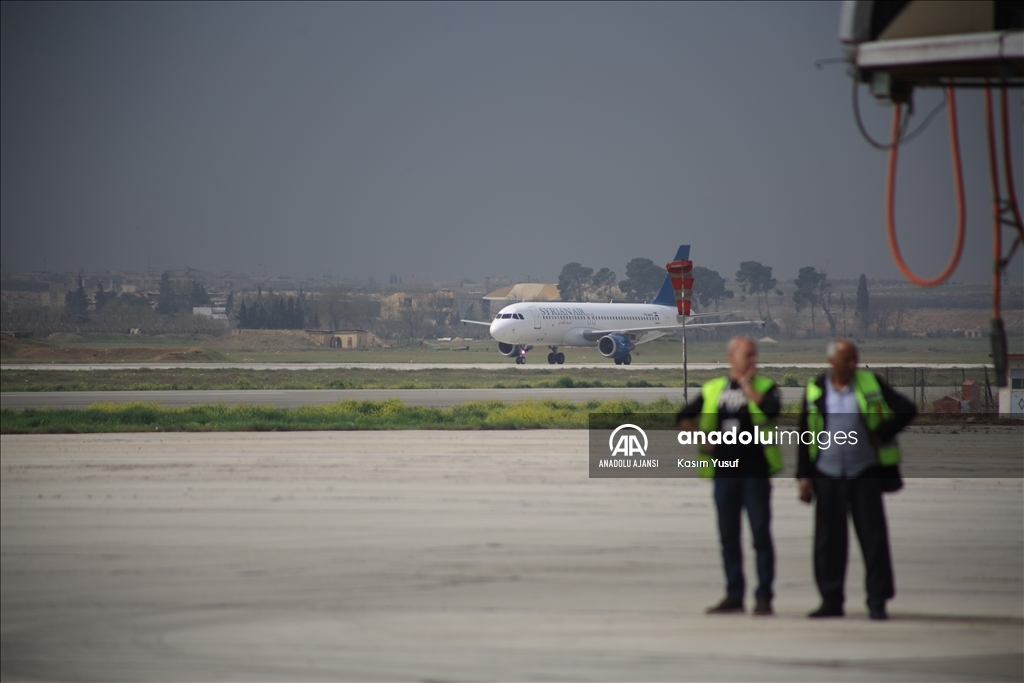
point(666, 297)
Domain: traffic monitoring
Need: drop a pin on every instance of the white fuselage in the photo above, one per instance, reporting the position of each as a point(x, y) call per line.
point(578, 324)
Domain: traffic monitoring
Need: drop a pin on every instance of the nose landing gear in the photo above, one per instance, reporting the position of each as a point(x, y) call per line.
point(521, 358)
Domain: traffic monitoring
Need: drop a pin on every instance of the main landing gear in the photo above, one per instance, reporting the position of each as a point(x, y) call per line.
point(555, 356)
point(625, 360)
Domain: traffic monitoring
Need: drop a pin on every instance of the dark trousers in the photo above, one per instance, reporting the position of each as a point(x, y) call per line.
point(731, 496)
point(861, 499)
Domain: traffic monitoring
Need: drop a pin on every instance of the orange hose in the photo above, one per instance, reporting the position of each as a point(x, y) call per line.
point(958, 185)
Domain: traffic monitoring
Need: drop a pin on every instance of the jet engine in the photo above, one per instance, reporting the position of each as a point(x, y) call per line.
point(508, 349)
point(615, 346)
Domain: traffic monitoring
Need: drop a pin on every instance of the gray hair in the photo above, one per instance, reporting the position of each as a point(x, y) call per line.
point(737, 340)
point(833, 347)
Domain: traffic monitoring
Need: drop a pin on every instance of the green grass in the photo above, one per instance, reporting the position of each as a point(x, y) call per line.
point(363, 415)
point(907, 350)
point(14, 380)
point(346, 415)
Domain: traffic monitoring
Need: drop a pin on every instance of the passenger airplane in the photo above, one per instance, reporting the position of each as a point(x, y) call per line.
point(615, 329)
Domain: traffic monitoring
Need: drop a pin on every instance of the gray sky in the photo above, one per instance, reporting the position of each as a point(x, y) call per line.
point(460, 140)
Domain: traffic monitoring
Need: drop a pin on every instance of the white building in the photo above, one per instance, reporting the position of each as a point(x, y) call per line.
point(215, 312)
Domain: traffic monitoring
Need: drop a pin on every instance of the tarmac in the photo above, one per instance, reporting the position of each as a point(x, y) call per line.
point(462, 555)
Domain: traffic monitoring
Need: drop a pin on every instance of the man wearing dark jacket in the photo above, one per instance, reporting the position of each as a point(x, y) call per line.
point(737, 404)
point(851, 460)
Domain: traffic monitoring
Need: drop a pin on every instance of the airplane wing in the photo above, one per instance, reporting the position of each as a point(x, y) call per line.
point(477, 322)
point(594, 335)
point(705, 315)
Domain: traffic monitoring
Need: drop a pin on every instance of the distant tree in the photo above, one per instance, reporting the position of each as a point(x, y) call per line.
point(101, 297)
point(229, 304)
point(167, 302)
point(842, 303)
point(573, 280)
point(863, 311)
point(813, 289)
point(882, 311)
point(340, 309)
point(708, 288)
point(755, 278)
point(806, 293)
point(790, 321)
point(197, 296)
point(603, 281)
point(899, 314)
point(76, 300)
point(643, 279)
point(332, 304)
point(277, 312)
point(413, 318)
point(825, 291)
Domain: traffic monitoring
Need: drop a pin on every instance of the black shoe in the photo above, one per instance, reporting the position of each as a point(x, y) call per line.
point(877, 612)
point(826, 611)
point(727, 606)
point(763, 608)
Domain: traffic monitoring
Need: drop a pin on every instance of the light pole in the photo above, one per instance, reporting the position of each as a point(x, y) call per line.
point(686, 384)
point(681, 275)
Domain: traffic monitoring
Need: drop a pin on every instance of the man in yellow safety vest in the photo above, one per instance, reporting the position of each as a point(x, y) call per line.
point(726, 413)
point(850, 458)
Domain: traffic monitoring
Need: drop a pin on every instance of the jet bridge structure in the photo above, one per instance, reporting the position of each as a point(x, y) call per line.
point(897, 46)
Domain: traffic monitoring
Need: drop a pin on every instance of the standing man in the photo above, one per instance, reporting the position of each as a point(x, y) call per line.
point(854, 417)
point(736, 404)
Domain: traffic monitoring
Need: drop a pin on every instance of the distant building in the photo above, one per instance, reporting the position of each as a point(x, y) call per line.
point(1011, 398)
point(345, 339)
point(215, 312)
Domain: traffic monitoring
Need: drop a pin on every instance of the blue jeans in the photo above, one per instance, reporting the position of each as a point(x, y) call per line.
point(731, 496)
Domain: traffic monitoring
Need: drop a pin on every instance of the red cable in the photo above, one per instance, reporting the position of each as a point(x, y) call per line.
point(958, 184)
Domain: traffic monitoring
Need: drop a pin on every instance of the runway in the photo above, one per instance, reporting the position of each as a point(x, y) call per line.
point(293, 398)
point(86, 367)
point(462, 556)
